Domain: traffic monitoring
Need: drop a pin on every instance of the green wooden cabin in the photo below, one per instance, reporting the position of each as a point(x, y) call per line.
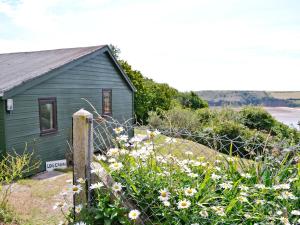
point(40, 91)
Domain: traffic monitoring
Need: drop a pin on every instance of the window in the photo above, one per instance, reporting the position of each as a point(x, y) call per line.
point(106, 102)
point(48, 117)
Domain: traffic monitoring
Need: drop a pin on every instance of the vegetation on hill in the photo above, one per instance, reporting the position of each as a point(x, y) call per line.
point(239, 98)
point(252, 125)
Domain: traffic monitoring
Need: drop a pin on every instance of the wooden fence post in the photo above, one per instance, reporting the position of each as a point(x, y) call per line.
point(82, 153)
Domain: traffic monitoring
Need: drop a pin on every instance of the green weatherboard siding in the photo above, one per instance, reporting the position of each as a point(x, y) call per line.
point(84, 80)
point(2, 135)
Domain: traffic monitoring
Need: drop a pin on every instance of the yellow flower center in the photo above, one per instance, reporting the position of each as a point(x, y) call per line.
point(75, 188)
point(183, 204)
point(164, 194)
point(189, 191)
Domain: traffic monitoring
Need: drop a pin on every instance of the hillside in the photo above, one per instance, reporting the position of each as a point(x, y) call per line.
point(239, 98)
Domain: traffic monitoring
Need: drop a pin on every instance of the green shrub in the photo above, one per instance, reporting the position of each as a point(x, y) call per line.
point(257, 118)
point(179, 119)
point(154, 120)
point(191, 100)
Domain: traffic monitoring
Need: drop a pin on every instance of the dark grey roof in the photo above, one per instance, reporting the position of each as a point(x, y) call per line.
point(17, 68)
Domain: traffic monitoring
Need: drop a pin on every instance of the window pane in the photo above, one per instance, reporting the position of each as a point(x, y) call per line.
point(47, 116)
point(106, 102)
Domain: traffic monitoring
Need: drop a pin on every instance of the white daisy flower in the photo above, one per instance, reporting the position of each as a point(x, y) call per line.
point(75, 189)
point(152, 134)
point(97, 171)
point(115, 166)
point(247, 215)
point(78, 208)
point(59, 205)
point(166, 203)
point(97, 185)
point(190, 191)
point(123, 138)
point(260, 186)
point(259, 202)
point(295, 212)
point(287, 195)
point(215, 176)
point(219, 210)
point(243, 187)
point(192, 175)
point(116, 187)
point(218, 168)
point(118, 130)
point(124, 152)
point(113, 152)
point(80, 223)
point(242, 199)
point(80, 180)
point(203, 213)
point(164, 195)
point(111, 160)
point(246, 175)
point(134, 214)
point(282, 187)
point(101, 158)
point(226, 185)
point(183, 204)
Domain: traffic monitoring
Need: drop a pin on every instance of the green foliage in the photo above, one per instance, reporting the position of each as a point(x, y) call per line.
point(191, 100)
point(257, 118)
point(12, 168)
point(105, 211)
point(250, 124)
point(180, 120)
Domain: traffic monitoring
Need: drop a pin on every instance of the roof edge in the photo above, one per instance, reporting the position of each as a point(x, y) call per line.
point(19, 88)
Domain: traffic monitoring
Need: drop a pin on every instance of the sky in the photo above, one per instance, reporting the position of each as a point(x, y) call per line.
point(189, 44)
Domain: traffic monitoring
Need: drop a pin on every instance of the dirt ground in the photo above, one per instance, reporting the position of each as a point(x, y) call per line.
point(32, 200)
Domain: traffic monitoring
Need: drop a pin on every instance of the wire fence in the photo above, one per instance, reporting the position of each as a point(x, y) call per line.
point(178, 177)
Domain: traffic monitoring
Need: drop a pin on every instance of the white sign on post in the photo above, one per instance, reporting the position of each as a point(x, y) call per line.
point(51, 165)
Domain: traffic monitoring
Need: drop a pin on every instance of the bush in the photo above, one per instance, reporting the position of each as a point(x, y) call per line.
point(191, 100)
point(154, 120)
point(257, 118)
point(176, 119)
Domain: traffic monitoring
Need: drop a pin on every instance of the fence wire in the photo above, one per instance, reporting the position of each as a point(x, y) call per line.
point(178, 177)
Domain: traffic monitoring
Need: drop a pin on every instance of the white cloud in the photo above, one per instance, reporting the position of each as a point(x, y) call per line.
point(191, 45)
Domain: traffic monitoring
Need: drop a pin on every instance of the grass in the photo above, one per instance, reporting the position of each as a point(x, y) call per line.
point(181, 146)
point(32, 200)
